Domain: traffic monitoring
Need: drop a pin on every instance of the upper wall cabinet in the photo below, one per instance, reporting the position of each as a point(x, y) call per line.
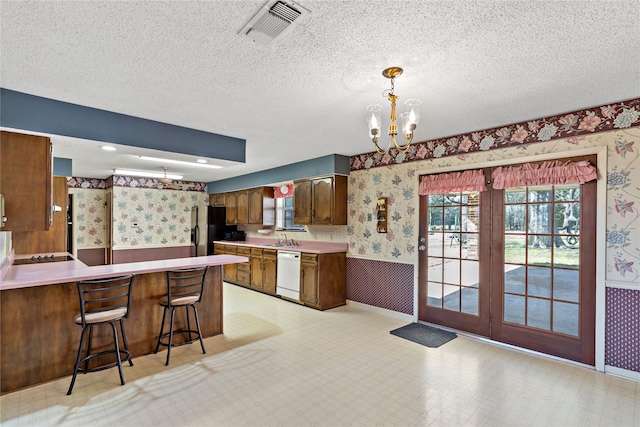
point(320, 201)
point(262, 208)
point(252, 206)
point(26, 181)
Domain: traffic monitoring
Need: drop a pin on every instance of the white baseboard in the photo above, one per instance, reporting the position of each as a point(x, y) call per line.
point(386, 312)
point(622, 373)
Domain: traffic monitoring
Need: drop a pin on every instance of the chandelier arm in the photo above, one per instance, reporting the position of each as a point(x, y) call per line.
point(404, 148)
point(380, 150)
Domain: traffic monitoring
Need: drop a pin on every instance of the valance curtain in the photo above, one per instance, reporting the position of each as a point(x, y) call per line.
point(547, 173)
point(450, 182)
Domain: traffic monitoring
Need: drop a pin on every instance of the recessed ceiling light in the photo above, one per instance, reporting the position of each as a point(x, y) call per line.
point(145, 174)
point(180, 162)
point(108, 148)
point(201, 161)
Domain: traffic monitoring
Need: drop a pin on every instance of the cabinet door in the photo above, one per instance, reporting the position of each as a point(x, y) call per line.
point(217, 199)
point(255, 205)
point(302, 202)
point(270, 273)
point(231, 208)
point(231, 270)
point(243, 207)
point(26, 181)
point(309, 283)
point(256, 268)
point(323, 199)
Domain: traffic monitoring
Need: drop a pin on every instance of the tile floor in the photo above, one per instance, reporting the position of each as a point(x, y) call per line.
point(280, 364)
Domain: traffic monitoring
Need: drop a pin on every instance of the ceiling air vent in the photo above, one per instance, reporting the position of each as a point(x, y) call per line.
point(274, 19)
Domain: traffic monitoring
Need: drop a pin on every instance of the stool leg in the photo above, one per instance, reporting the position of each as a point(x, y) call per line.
point(164, 313)
point(126, 346)
point(186, 309)
point(115, 340)
point(86, 363)
point(173, 315)
point(195, 311)
point(78, 358)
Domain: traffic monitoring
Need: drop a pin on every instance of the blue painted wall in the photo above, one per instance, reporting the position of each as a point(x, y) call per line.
point(23, 111)
point(333, 164)
point(62, 167)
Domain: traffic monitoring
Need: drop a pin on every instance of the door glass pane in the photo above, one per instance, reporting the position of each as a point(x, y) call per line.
point(452, 218)
point(471, 248)
point(435, 270)
point(514, 218)
point(435, 219)
point(515, 195)
point(539, 282)
point(567, 192)
point(452, 271)
point(539, 252)
point(514, 279)
point(539, 313)
point(565, 285)
point(514, 309)
point(434, 294)
point(435, 199)
point(539, 219)
point(567, 256)
point(515, 249)
point(435, 244)
point(565, 318)
point(470, 300)
point(452, 297)
point(470, 273)
point(539, 194)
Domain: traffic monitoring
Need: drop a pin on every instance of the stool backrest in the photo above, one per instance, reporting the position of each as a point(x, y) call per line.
point(101, 295)
point(186, 283)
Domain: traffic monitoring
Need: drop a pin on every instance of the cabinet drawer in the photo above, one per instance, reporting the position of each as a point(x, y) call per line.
point(270, 253)
point(244, 277)
point(256, 251)
point(244, 266)
point(244, 251)
point(310, 258)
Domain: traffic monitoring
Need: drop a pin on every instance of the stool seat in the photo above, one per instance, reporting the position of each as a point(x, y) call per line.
point(103, 302)
point(184, 289)
point(180, 300)
point(102, 316)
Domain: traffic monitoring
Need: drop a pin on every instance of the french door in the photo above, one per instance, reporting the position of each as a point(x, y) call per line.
point(514, 265)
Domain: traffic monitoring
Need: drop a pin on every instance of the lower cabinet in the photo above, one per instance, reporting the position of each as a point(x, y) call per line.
point(323, 277)
point(244, 268)
point(323, 280)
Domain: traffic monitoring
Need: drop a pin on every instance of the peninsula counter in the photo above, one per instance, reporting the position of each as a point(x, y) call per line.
point(38, 337)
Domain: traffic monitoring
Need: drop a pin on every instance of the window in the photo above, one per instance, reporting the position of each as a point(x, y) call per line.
point(284, 214)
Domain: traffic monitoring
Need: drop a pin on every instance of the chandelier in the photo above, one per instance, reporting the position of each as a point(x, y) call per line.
point(409, 119)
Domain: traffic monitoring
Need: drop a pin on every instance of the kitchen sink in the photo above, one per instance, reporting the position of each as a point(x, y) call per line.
point(281, 245)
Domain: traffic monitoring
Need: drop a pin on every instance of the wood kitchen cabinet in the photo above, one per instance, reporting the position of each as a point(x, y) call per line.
point(231, 208)
point(320, 201)
point(217, 199)
point(230, 271)
point(264, 269)
point(323, 279)
point(262, 207)
point(244, 268)
point(242, 216)
point(26, 164)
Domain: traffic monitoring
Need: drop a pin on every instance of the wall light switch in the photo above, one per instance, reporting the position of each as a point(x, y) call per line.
point(134, 224)
point(368, 217)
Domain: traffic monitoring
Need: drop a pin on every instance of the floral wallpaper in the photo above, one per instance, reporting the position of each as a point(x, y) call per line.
point(89, 213)
point(399, 183)
point(163, 217)
point(573, 125)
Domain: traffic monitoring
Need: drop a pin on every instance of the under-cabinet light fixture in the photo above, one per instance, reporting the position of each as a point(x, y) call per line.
point(145, 174)
point(180, 162)
point(108, 148)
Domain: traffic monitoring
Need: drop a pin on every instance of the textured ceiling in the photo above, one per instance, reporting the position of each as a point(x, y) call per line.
point(474, 65)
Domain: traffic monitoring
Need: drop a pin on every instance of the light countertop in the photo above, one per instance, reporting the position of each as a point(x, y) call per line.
point(48, 273)
point(303, 246)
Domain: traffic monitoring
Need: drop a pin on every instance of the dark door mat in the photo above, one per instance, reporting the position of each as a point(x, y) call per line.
point(424, 334)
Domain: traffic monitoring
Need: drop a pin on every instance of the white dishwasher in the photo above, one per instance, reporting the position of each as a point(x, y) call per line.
point(288, 277)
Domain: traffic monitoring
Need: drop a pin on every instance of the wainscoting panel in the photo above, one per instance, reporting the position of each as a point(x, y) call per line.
point(622, 342)
point(94, 256)
point(381, 284)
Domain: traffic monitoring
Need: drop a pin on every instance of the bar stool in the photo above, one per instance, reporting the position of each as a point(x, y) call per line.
point(184, 289)
point(103, 301)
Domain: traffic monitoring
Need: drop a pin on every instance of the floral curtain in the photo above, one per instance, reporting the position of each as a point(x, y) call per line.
point(547, 173)
point(456, 181)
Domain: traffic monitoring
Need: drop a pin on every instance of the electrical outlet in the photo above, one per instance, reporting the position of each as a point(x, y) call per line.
point(368, 217)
